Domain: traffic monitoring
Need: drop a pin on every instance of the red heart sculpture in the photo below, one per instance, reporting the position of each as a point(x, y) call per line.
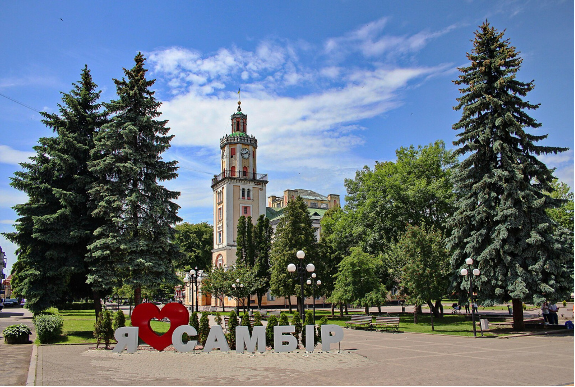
point(143, 313)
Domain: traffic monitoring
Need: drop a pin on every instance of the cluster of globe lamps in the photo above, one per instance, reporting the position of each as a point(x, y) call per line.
point(302, 271)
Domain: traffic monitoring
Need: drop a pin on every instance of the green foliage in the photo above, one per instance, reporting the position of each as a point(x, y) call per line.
point(257, 319)
point(563, 215)
point(296, 322)
point(16, 331)
point(294, 232)
point(56, 224)
point(415, 189)
point(218, 319)
point(48, 327)
point(119, 320)
point(204, 330)
point(272, 322)
point(322, 321)
point(195, 242)
point(217, 283)
point(501, 219)
point(232, 324)
point(425, 273)
point(307, 321)
point(103, 328)
point(262, 244)
point(283, 320)
point(133, 244)
point(245, 322)
point(195, 321)
point(357, 282)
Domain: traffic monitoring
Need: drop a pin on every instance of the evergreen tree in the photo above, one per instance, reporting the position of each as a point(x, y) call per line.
point(294, 232)
point(55, 225)
point(272, 322)
point(242, 241)
point(204, 330)
point(134, 245)
point(283, 320)
point(245, 322)
point(500, 219)
point(262, 244)
point(119, 320)
point(195, 321)
point(307, 321)
point(296, 322)
point(232, 324)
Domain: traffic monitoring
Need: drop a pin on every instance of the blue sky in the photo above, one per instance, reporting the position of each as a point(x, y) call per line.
point(328, 87)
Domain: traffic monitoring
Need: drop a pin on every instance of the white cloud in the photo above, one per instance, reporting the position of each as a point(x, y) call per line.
point(11, 197)
point(12, 156)
point(563, 162)
point(307, 137)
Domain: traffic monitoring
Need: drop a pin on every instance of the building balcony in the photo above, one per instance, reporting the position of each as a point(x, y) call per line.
point(238, 138)
point(239, 175)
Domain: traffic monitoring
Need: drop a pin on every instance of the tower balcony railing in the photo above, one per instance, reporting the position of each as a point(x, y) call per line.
point(239, 175)
point(238, 138)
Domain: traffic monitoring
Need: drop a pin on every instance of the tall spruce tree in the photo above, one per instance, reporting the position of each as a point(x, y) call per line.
point(294, 232)
point(134, 245)
point(55, 225)
point(500, 219)
point(263, 233)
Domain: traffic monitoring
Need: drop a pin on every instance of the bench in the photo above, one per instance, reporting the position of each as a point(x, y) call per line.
point(383, 322)
point(359, 321)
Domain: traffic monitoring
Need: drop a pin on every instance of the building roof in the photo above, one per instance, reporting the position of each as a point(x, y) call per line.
point(278, 213)
point(309, 194)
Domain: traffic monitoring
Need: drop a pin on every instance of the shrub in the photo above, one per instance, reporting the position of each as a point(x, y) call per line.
point(204, 330)
point(272, 322)
point(296, 322)
point(103, 328)
point(48, 327)
point(194, 321)
point(17, 334)
point(119, 320)
point(564, 303)
point(245, 322)
point(322, 321)
point(257, 319)
point(283, 320)
point(232, 324)
point(218, 318)
point(308, 321)
point(47, 312)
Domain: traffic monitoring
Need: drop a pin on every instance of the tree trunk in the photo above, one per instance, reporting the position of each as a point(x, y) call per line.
point(346, 311)
point(137, 296)
point(340, 309)
point(439, 308)
point(379, 309)
point(260, 301)
point(415, 313)
point(366, 309)
point(289, 303)
point(518, 323)
point(332, 310)
point(418, 309)
point(97, 303)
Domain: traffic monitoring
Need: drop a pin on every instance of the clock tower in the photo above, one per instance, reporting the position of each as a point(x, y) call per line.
point(238, 190)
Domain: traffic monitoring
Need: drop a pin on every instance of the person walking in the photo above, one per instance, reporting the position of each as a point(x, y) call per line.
point(467, 307)
point(545, 312)
point(553, 319)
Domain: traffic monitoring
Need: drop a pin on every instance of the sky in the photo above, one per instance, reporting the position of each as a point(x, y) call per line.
point(328, 86)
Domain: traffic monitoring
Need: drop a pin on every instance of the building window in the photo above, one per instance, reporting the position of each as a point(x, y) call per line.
point(246, 211)
point(233, 171)
point(220, 213)
point(249, 194)
point(243, 193)
point(232, 152)
point(220, 261)
point(219, 237)
point(245, 171)
point(269, 296)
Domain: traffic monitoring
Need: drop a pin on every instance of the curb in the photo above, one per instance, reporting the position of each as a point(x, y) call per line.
point(31, 379)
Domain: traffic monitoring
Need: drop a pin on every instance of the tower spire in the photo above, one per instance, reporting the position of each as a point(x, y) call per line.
point(239, 101)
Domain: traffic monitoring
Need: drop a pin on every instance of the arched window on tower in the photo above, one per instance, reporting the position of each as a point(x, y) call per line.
point(237, 126)
point(249, 194)
point(220, 261)
point(233, 171)
point(245, 171)
point(243, 193)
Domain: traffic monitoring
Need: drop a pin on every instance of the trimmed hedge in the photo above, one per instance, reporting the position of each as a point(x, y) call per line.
point(48, 327)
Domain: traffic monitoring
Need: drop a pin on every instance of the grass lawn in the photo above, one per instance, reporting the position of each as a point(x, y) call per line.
point(79, 324)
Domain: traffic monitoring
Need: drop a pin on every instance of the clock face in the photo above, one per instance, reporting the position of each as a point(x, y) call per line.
point(245, 152)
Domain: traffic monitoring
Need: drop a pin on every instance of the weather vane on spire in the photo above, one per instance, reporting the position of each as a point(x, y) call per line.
point(239, 101)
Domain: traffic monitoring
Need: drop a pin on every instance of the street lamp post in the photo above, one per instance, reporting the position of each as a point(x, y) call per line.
point(192, 277)
point(301, 270)
point(476, 272)
point(317, 283)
